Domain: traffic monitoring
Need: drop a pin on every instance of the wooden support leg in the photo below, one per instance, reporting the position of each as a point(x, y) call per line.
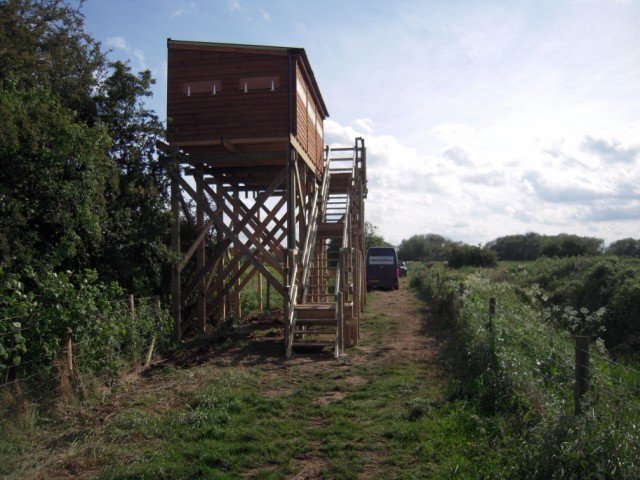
point(176, 299)
point(200, 254)
point(222, 305)
point(235, 292)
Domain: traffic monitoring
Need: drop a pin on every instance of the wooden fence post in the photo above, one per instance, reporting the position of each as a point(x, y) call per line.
point(132, 309)
point(581, 372)
point(155, 335)
point(491, 331)
point(132, 304)
point(69, 354)
point(492, 308)
point(492, 313)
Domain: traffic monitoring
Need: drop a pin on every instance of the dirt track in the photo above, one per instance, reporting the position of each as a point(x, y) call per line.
point(394, 338)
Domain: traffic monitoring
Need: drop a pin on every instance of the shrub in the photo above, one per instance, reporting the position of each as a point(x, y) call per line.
point(517, 372)
point(48, 308)
point(471, 256)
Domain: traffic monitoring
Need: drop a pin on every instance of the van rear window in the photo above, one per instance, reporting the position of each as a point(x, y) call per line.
point(380, 260)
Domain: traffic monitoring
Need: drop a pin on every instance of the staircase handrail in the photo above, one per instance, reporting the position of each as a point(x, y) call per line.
point(305, 263)
point(310, 238)
point(309, 241)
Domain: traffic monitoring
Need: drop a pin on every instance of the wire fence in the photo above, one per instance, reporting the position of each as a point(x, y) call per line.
point(41, 362)
point(571, 365)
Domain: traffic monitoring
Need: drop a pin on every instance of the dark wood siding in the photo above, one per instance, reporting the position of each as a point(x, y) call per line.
point(232, 113)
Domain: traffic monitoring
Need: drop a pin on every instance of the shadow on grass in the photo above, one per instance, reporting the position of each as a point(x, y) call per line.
point(257, 341)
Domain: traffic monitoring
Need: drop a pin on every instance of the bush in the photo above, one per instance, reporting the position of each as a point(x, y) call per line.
point(41, 311)
point(607, 284)
point(517, 373)
point(471, 256)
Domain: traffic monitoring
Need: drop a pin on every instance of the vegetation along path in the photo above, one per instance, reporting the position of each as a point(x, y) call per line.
point(239, 409)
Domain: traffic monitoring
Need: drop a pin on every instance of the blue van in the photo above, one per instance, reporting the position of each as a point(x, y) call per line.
point(383, 269)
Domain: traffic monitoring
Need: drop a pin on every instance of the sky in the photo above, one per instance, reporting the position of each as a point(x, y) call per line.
point(481, 118)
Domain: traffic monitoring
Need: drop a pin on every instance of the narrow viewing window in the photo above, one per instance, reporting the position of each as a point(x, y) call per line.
point(319, 126)
point(250, 84)
point(209, 87)
point(302, 94)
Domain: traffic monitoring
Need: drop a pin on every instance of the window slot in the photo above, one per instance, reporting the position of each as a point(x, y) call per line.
point(250, 84)
point(209, 87)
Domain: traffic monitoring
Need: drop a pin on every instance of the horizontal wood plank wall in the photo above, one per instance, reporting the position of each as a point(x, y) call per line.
point(307, 115)
point(231, 112)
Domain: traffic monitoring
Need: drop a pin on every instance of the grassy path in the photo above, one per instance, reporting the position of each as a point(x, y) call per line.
point(240, 410)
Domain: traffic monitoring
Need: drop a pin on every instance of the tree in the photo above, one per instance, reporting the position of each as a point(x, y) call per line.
point(626, 247)
point(53, 174)
point(135, 250)
point(426, 248)
point(81, 182)
point(373, 237)
point(518, 247)
point(566, 245)
point(44, 45)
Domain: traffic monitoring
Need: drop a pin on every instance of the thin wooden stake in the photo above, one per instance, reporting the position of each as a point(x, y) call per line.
point(153, 339)
point(132, 309)
point(582, 372)
point(69, 354)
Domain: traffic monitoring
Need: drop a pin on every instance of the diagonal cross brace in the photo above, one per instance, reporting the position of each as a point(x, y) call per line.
point(242, 227)
point(231, 236)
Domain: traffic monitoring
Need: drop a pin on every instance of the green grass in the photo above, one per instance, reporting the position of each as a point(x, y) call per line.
point(453, 414)
point(375, 418)
point(519, 379)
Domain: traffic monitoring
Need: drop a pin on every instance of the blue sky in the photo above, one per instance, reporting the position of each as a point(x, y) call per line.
point(482, 118)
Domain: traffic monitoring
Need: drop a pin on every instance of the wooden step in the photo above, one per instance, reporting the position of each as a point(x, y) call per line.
point(330, 230)
point(316, 332)
point(316, 311)
point(316, 321)
point(339, 183)
point(313, 344)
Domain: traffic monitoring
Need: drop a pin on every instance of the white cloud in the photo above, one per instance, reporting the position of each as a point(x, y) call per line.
point(234, 5)
point(117, 42)
point(139, 54)
point(491, 189)
point(120, 43)
point(265, 15)
point(363, 124)
point(191, 7)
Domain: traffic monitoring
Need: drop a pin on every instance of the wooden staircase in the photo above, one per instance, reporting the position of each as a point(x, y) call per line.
point(325, 310)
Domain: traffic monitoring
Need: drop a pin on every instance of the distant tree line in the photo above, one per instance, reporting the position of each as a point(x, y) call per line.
point(529, 246)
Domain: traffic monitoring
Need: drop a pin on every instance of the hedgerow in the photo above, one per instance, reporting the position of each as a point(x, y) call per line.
point(41, 313)
point(517, 369)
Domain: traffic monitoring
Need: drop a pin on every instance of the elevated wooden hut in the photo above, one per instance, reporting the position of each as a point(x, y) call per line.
point(244, 99)
point(245, 130)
